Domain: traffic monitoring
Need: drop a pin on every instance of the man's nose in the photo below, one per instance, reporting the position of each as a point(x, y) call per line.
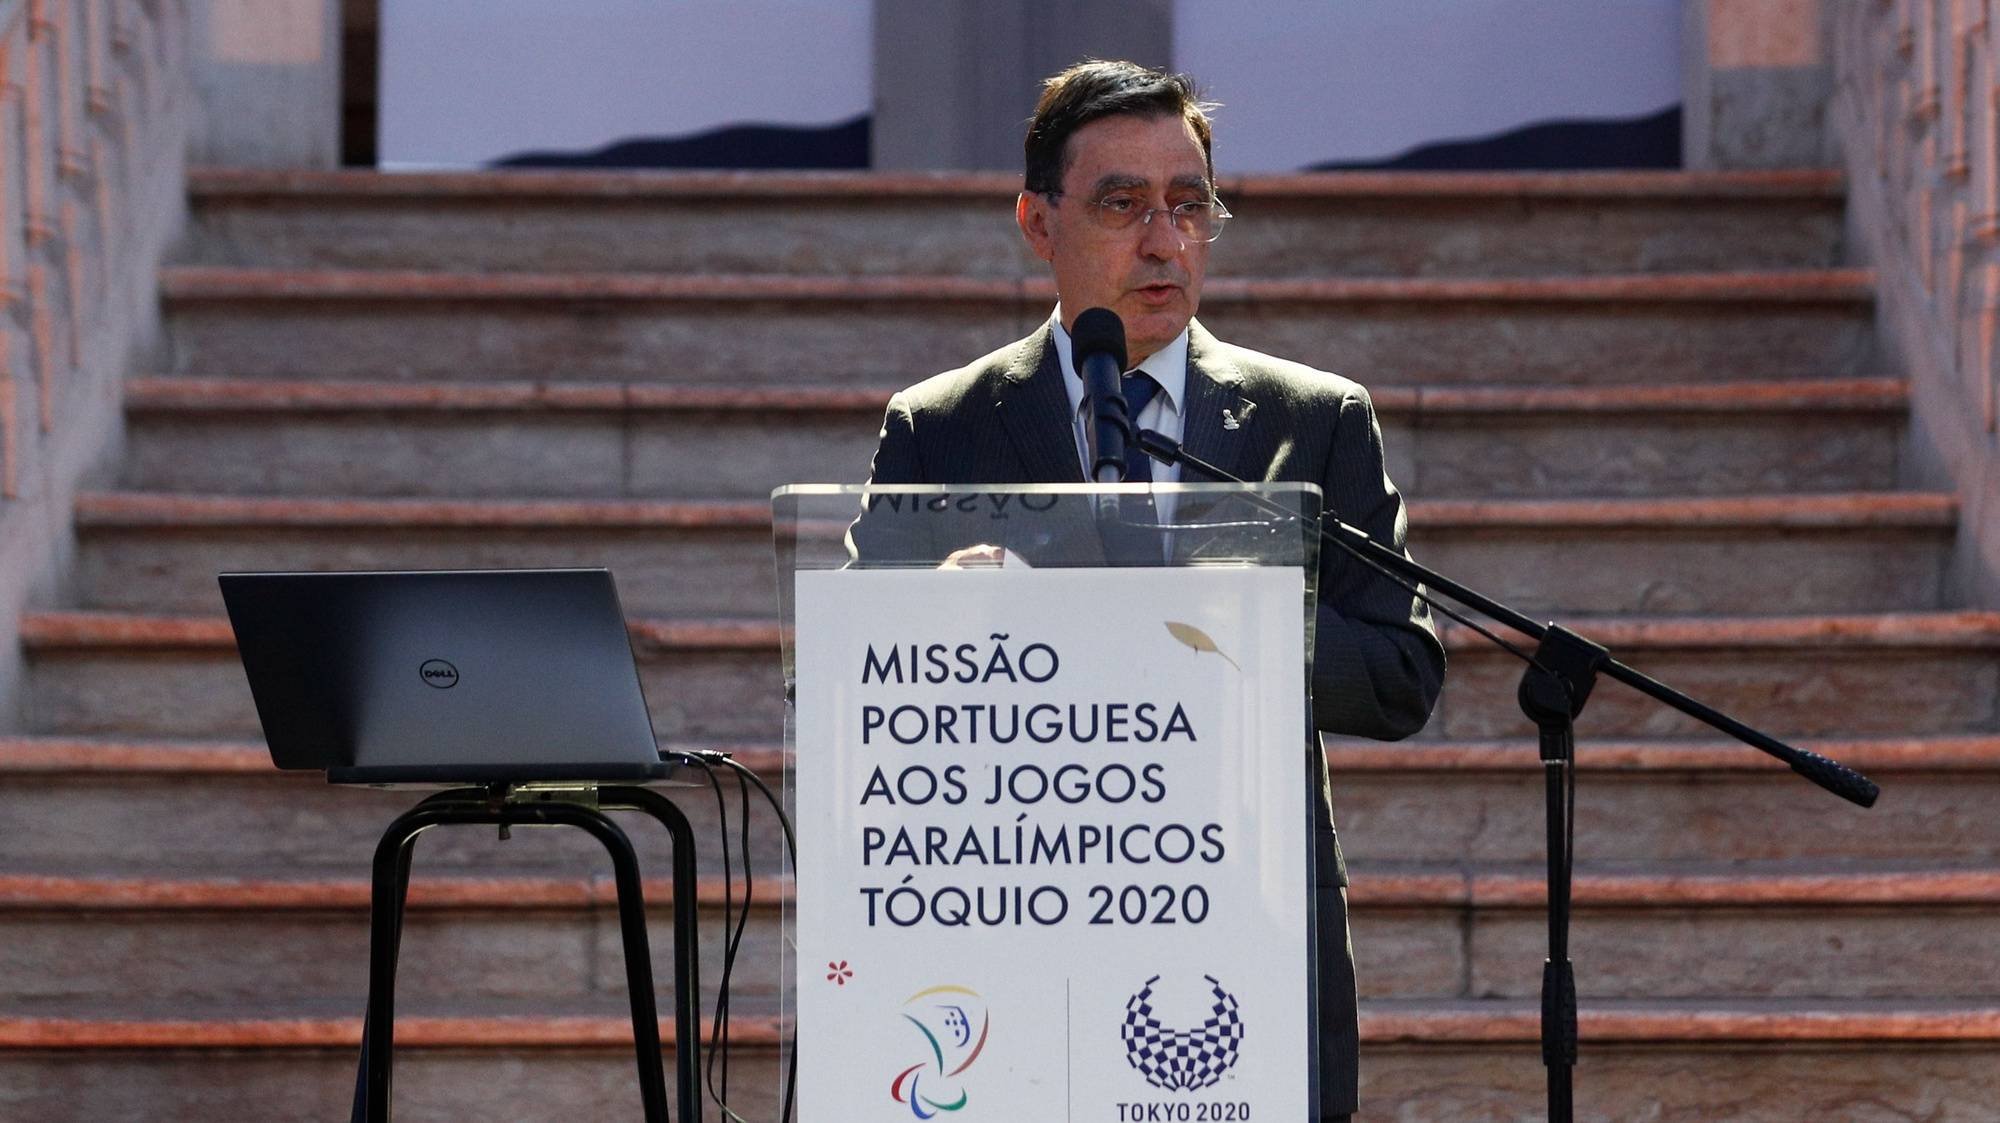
point(1161, 239)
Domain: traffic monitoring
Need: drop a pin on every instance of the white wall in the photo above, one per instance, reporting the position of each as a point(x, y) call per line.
point(1307, 81)
point(468, 81)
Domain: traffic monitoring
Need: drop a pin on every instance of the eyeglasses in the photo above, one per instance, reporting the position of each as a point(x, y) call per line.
point(1200, 221)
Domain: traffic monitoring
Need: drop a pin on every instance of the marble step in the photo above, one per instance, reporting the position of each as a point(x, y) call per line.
point(765, 331)
point(167, 808)
point(583, 440)
point(524, 1060)
point(873, 223)
point(1420, 1060)
point(1665, 931)
point(168, 939)
point(1799, 676)
point(1720, 554)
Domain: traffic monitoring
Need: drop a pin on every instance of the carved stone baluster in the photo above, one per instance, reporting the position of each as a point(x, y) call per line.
point(1954, 268)
point(1989, 322)
point(1989, 136)
point(97, 94)
point(10, 94)
point(147, 39)
point(1901, 136)
point(62, 40)
point(1917, 240)
point(1921, 112)
point(1924, 97)
point(69, 171)
point(41, 333)
point(72, 266)
point(9, 482)
point(1958, 76)
point(106, 212)
point(1874, 74)
point(123, 39)
point(1878, 72)
point(1950, 174)
point(1982, 222)
point(36, 227)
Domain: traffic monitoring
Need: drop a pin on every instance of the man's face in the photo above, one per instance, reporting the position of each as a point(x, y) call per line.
point(1151, 273)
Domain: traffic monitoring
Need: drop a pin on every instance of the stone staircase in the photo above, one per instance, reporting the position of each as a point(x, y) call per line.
point(1654, 403)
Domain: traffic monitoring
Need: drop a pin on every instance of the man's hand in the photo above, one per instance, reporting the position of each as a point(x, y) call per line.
point(983, 557)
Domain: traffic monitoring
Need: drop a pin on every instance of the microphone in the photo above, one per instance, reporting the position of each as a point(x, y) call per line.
point(1097, 349)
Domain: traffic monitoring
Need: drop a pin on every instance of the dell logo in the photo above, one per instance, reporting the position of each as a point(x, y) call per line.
point(439, 673)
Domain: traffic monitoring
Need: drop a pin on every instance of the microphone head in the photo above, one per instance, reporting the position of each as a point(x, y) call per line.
point(1098, 331)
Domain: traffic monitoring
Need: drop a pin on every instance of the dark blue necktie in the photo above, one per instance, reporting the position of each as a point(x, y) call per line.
point(1139, 390)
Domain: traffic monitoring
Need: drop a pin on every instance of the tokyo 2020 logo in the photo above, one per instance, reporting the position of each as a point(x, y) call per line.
point(1183, 1060)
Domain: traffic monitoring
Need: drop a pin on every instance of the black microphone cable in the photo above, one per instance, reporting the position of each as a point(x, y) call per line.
point(718, 1040)
point(736, 921)
point(792, 854)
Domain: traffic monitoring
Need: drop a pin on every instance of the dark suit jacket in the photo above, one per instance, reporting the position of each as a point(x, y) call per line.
point(1377, 662)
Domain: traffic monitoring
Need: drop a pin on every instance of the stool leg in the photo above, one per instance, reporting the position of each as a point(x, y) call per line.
point(362, 1070)
point(391, 886)
point(687, 975)
point(638, 966)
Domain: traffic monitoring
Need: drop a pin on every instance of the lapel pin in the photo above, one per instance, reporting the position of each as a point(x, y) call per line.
point(1233, 420)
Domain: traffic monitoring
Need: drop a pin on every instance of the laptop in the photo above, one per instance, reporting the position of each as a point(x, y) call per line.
point(465, 677)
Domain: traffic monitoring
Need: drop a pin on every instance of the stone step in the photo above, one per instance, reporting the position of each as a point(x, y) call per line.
point(891, 330)
point(161, 808)
point(1801, 676)
point(1780, 553)
point(1420, 1060)
point(885, 223)
point(169, 940)
point(1669, 800)
point(90, 805)
point(519, 1063)
point(596, 440)
point(1419, 932)
point(1747, 1061)
point(178, 676)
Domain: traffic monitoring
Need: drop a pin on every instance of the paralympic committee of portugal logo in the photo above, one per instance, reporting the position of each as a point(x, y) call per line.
point(953, 1022)
point(1183, 1060)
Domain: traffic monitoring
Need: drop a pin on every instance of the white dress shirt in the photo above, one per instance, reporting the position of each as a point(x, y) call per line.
point(1163, 415)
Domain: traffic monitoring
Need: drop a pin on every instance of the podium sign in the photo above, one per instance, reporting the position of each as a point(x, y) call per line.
point(1053, 842)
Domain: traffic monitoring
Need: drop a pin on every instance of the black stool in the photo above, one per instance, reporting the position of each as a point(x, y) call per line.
point(579, 806)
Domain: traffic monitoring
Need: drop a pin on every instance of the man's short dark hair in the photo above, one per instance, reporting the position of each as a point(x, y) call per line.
point(1096, 88)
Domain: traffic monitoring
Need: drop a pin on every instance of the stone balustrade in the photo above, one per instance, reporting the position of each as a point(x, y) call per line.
point(93, 104)
point(1917, 105)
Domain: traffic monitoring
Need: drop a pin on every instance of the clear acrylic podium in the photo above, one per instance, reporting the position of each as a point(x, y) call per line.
point(1053, 797)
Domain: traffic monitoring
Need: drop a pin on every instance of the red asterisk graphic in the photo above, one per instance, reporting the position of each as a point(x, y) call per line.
point(839, 973)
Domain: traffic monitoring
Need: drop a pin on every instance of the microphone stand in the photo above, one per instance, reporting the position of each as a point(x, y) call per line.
point(1109, 432)
point(1560, 675)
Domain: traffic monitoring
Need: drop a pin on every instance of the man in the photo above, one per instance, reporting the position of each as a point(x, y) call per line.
point(1120, 201)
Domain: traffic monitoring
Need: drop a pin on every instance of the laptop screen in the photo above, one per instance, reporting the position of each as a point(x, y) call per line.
point(467, 676)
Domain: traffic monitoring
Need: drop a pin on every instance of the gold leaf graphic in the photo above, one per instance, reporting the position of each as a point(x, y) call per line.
point(1196, 638)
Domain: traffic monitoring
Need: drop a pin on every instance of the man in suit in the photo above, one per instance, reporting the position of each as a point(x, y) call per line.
point(1120, 201)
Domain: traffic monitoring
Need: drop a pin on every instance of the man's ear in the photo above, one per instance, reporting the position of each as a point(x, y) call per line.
point(1032, 214)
